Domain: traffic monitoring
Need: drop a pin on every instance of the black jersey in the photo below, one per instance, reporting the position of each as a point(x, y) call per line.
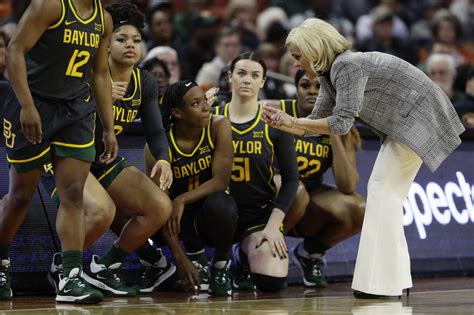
point(140, 101)
point(59, 64)
point(314, 154)
point(252, 182)
point(193, 168)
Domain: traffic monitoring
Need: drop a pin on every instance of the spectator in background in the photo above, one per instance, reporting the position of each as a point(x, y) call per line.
point(420, 31)
point(243, 14)
point(442, 70)
point(273, 88)
point(3, 64)
point(158, 69)
point(170, 57)
point(227, 46)
point(383, 39)
point(160, 25)
point(364, 29)
point(448, 30)
point(466, 108)
point(324, 9)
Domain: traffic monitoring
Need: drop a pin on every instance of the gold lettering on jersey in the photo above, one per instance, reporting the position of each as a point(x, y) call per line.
point(192, 168)
point(136, 102)
point(310, 148)
point(81, 38)
point(48, 168)
point(258, 134)
point(8, 134)
point(123, 115)
point(98, 27)
point(204, 149)
point(247, 147)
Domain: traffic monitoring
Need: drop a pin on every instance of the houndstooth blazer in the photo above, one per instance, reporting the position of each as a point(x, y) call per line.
point(394, 99)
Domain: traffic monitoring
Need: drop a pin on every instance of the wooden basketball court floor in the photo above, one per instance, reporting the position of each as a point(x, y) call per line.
point(429, 296)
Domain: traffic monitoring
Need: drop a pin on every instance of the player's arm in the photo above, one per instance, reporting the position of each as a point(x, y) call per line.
point(155, 132)
point(39, 15)
point(102, 89)
point(222, 160)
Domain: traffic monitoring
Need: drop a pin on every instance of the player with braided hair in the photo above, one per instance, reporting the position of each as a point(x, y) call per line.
point(201, 155)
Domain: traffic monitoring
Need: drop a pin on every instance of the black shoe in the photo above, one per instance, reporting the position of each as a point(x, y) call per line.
point(363, 295)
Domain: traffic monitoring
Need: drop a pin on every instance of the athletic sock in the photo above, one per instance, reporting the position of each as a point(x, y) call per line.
point(71, 259)
point(113, 256)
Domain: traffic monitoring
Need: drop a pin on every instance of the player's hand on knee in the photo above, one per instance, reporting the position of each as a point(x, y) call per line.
point(275, 240)
point(31, 124)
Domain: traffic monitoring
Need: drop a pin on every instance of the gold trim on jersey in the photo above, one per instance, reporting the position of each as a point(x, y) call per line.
point(31, 158)
point(88, 20)
point(137, 83)
point(293, 107)
point(270, 180)
point(209, 138)
point(63, 14)
point(255, 123)
point(102, 17)
point(175, 145)
point(71, 145)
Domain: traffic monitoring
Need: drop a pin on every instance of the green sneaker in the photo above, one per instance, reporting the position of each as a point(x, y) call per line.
point(310, 269)
point(155, 274)
point(73, 289)
point(202, 265)
point(106, 279)
point(56, 270)
point(219, 284)
point(242, 280)
point(5, 289)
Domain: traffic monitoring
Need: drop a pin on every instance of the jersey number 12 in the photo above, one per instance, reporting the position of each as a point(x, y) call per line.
point(78, 59)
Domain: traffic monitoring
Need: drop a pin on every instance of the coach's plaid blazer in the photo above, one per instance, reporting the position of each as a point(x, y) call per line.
point(393, 98)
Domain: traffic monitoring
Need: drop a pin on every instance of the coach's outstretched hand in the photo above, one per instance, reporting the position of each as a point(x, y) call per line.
point(276, 118)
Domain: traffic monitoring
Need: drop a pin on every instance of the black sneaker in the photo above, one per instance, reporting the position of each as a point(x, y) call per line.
point(155, 274)
point(242, 279)
point(5, 288)
point(310, 268)
point(219, 281)
point(55, 270)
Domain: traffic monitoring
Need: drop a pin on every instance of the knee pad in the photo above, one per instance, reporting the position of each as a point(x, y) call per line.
point(268, 283)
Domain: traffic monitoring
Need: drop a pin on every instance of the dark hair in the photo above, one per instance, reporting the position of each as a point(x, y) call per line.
point(163, 7)
point(227, 31)
point(249, 56)
point(451, 18)
point(126, 14)
point(173, 98)
point(299, 74)
point(152, 62)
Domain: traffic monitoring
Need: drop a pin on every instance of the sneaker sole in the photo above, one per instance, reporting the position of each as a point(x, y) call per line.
point(236, 287)
point(297, 263)
point(227, 293)
point(160, 280)
point(101, 286)
point(78, 299)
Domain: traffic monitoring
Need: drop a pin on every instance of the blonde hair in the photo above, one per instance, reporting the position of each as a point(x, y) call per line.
point(319, 42)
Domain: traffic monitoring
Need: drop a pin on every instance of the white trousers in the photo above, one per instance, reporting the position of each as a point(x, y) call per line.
point(383, 262)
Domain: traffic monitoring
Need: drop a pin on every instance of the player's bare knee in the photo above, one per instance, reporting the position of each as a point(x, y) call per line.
point(17, 201)
point(102, 216)
point(71, 194)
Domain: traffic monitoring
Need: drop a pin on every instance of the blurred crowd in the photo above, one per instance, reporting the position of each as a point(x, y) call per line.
point(196, 39)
